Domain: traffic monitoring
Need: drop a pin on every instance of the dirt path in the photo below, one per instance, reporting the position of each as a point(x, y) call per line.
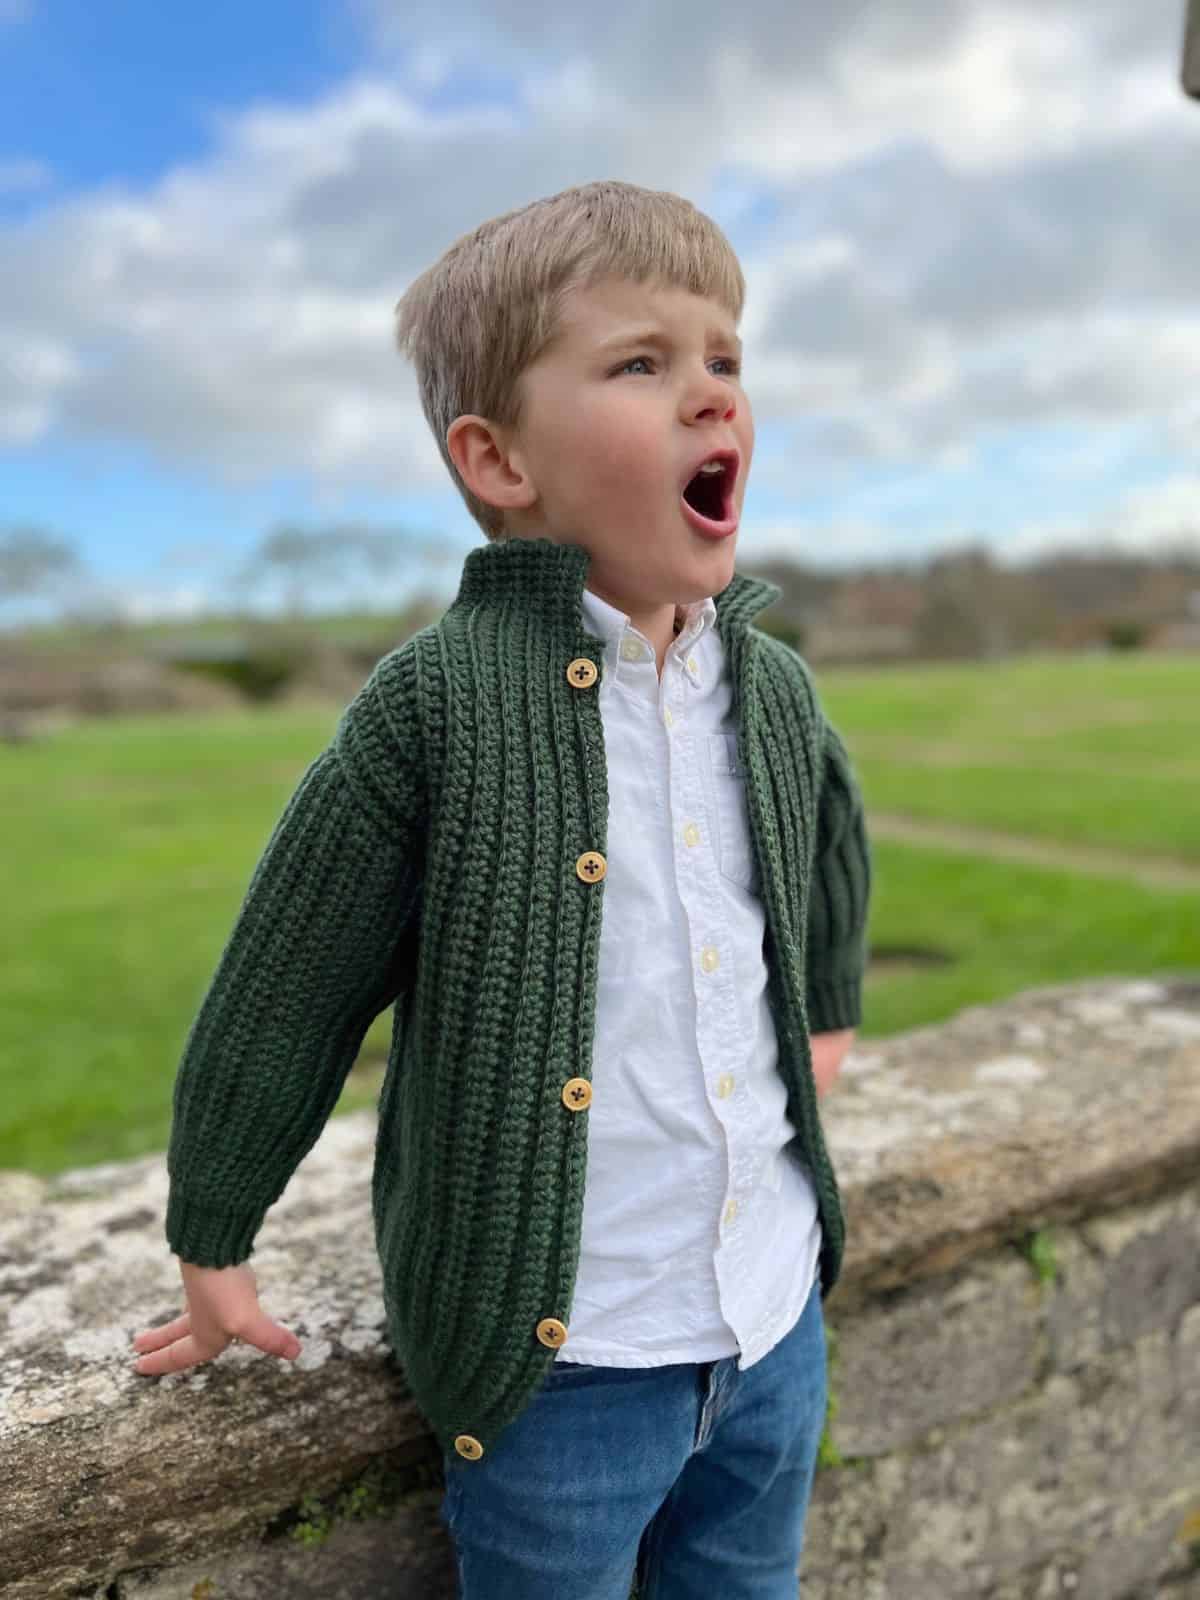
point(1154, 873)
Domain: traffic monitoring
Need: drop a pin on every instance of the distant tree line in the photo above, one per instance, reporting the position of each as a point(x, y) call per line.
point(957, 603)
point(306, 563)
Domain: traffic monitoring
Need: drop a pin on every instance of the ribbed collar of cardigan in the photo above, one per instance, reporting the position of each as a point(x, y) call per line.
point(547, 578)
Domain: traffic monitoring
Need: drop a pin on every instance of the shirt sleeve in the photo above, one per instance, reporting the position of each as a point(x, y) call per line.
point(839, 895)
point(323, 942)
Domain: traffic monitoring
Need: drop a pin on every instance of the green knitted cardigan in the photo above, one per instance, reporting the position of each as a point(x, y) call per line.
point(428, 858)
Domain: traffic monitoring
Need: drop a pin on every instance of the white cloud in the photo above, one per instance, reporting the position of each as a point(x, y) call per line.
point(1151, 519)
point(837, 544)
point(1160, 513)
point(144, 603)
point(797, 88)
point(35, 368)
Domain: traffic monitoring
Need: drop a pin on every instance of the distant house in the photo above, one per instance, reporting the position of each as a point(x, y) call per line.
point(858, 641)
point(870, 617)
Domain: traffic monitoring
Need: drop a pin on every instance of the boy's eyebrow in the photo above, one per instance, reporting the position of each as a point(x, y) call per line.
point(656, 337)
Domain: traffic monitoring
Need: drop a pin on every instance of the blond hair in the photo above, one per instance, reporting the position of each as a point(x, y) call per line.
point(484, 312)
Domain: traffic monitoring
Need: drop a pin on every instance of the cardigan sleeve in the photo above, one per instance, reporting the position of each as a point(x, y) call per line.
point(324, 941)
point(839, 895)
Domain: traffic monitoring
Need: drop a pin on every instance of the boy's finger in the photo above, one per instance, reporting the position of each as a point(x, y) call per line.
point(175, 1357)
point(155, 1338)
point(271, 1337)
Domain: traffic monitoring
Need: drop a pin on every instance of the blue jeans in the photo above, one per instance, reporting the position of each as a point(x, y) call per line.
point(695, 1475)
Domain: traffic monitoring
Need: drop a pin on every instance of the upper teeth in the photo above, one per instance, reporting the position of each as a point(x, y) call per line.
point(713, 466)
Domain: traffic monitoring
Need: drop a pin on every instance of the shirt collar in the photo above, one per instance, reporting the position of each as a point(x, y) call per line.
point(612, 625)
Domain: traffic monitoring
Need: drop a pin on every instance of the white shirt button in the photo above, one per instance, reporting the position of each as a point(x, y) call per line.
point(731, 1211)
point(691, 834)
point(667, 717)
point(710, 959)
point(631, 649)
point(725, 1085)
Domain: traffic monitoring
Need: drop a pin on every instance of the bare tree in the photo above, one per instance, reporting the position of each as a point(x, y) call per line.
point(34, 562)
point(311, 559)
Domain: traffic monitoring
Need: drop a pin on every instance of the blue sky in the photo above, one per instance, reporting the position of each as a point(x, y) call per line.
point(969, 315)
point(123, 92)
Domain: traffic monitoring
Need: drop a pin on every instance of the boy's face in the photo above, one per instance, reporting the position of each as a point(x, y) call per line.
point(613, 427)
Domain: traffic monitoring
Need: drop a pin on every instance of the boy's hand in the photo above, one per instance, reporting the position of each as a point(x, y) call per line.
point(828, 1052)
point(222, 1307)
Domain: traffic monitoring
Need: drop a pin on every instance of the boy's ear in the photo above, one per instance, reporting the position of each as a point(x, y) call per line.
point(493, 471)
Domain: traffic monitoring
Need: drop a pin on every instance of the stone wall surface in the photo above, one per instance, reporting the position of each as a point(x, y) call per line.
point(1014, 1346)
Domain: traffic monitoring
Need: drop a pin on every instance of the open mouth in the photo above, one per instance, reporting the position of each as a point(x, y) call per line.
point(709, 493)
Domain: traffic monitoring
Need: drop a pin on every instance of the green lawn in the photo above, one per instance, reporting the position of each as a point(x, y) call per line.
point(1101, 750)
point(129, 846)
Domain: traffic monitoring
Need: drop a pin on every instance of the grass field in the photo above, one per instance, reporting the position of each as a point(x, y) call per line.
point(129, 846)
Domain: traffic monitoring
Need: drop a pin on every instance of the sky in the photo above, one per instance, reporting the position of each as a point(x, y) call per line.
point(968, 230)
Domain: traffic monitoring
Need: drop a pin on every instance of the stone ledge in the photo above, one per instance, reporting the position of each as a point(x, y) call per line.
point(1077, 1106)
point(1048, 1107)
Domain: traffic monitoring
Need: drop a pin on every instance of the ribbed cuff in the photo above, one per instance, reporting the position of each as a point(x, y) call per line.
point(208, 1235)
point(832, 1006)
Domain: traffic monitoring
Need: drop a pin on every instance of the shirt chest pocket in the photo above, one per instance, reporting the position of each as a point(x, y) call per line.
point(731, 817)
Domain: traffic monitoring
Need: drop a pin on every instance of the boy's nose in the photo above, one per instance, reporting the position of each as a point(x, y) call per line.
point(721, 405)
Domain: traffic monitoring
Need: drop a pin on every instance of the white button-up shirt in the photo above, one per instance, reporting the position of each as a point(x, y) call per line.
point(700, 1234)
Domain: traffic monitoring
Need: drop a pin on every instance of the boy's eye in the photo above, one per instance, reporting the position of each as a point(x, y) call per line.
point(731, 362)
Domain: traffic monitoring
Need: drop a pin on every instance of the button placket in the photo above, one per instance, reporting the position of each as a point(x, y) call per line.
point(710, 964)
point(690, 784)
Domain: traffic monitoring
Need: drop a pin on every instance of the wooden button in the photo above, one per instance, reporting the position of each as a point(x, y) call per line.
point(591, 866)
point(552, 1332)
point(577, 1094)
point(582, 674)
point(467, 1445)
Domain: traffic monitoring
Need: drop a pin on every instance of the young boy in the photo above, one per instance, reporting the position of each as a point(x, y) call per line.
point(594, 837)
